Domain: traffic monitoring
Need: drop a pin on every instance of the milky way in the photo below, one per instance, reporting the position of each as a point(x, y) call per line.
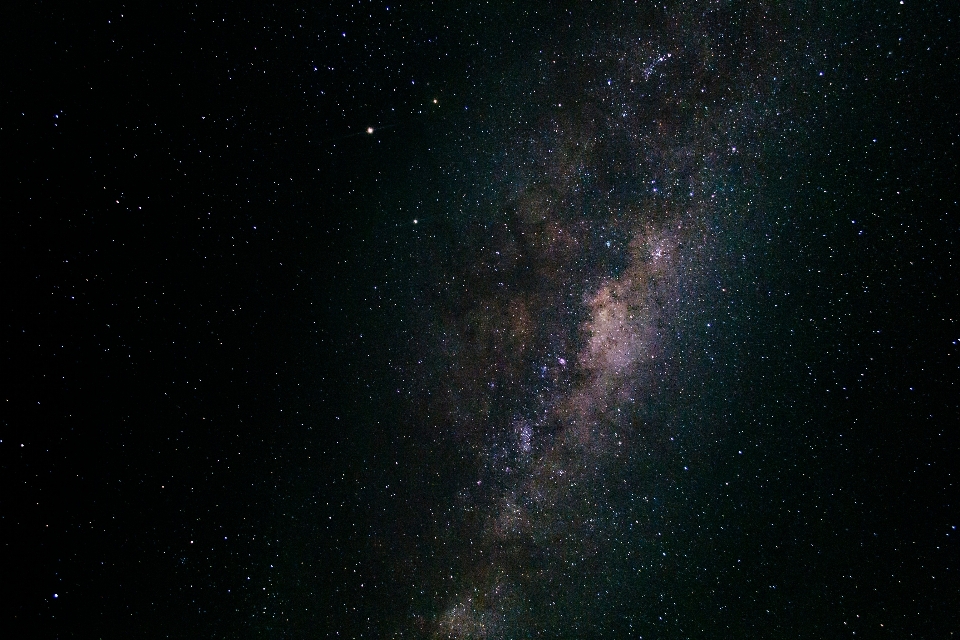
point(563, 328)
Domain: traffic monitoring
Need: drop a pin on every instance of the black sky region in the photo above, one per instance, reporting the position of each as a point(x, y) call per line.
point(480, 320)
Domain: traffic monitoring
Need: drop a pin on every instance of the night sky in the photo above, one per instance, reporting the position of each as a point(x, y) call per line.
point(481, 320)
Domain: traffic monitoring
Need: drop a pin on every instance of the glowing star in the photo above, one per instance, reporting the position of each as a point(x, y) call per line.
point(369, 129)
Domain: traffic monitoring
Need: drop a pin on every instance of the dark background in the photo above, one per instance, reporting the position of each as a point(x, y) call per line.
point(213, 287)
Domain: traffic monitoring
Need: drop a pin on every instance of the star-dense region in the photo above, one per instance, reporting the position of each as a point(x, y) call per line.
point(481, 320)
